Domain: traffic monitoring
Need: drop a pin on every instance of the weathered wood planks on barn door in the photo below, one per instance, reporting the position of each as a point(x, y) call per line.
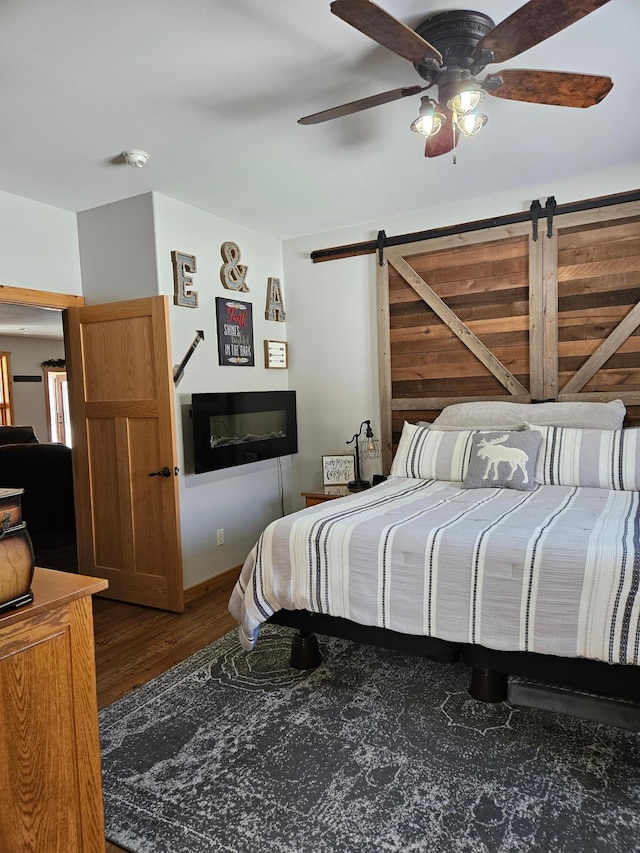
point(497, 315)
point(599, 288)
point(458, 325)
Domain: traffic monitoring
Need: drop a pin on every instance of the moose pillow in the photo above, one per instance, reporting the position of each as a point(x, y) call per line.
point(502, 460)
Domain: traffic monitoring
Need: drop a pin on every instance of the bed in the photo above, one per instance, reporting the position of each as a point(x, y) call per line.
point(530, 570)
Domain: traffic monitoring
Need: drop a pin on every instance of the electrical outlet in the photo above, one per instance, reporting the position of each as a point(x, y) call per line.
point(220, 536)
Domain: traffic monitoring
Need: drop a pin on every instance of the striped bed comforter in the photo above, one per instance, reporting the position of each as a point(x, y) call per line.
point(554, 571)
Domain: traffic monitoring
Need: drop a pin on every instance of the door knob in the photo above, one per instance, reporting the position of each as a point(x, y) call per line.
point(164, 472)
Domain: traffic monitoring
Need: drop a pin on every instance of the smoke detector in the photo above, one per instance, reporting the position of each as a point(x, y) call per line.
point(135, 157)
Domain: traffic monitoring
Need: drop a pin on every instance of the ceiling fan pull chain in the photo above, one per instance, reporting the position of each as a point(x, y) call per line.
point(453, 150)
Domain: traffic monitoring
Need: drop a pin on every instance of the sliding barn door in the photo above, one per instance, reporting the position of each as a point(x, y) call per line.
point(122, 412)
point(456, 326)
point(598, 272)
point(499, 314)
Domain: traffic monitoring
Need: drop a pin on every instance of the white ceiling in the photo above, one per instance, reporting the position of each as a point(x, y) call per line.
point(212, 89)
point(27, 321)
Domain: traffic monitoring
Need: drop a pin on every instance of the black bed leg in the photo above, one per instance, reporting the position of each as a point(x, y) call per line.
point(305, 651)
point(487, 685)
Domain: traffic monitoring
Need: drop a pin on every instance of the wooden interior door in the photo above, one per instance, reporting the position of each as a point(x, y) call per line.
point(122, 418)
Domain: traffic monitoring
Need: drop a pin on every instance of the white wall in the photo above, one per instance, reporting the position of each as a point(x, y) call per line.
point(125, 249)
point(125, 252)
point(332, 315)
point(332, 338)
point(117, 254)
point(38, 246)
point(244, 499)
point(27, 355)
point(39, 251)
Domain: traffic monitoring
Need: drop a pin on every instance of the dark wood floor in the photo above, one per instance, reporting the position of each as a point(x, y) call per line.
point(134, 644)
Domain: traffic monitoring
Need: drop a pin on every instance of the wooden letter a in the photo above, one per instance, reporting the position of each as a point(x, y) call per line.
point(275, 305)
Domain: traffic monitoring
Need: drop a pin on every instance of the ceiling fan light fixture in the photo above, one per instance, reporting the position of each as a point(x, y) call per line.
point(471, 123)
point(430, 119)
point(465, 102)
point(449, 50)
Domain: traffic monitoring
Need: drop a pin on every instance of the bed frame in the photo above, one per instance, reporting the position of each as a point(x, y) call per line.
point(489, 669)
point(513, 313)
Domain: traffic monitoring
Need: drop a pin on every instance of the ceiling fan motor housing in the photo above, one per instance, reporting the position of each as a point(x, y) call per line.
point(455, 34)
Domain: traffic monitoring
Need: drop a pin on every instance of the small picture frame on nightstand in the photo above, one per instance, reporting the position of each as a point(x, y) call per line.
point(338, 470)
point(275, 354)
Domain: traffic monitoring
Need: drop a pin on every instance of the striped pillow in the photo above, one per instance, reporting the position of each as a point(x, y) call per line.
point(429, 454)
point(602, 459)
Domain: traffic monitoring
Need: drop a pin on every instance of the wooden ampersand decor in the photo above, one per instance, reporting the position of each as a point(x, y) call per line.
point(183, 293)
point(232, 273)
point(275, 304)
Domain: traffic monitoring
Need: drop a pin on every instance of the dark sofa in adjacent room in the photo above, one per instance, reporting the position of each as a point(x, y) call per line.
point(44, 472)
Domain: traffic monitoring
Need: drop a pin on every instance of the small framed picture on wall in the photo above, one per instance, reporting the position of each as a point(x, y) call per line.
point(275, 354)
point(235, 332)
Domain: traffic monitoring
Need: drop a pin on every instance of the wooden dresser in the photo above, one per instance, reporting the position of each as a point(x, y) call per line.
point(50, 774)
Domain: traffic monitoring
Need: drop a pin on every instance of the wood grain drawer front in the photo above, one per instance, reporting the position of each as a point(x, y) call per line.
point(47, 748)
point(320, 495)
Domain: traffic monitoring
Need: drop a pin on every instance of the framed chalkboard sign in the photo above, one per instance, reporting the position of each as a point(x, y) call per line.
point(338, 470)
point(235, 332)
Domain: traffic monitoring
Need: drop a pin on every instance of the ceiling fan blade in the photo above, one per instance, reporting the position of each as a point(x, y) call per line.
point(559, 88)
point(386, 30)
point(444, 141)
point(362, 104)
point(532, 23)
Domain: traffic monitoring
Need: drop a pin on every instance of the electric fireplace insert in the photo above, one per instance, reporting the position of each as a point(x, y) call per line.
point(235, 428)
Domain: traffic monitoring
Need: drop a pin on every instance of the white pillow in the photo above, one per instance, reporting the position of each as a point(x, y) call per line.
point(493, 414)
point(599, 458)
point(429, 454)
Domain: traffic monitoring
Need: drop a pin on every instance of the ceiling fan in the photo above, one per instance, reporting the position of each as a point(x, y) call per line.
point(450, 49)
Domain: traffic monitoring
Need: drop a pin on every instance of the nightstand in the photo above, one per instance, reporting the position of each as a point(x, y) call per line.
point(324, 493)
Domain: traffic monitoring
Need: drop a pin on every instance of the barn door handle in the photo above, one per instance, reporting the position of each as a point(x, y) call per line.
point(164, 472)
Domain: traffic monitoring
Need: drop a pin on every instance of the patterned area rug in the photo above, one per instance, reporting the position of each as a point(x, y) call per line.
point(372, 751)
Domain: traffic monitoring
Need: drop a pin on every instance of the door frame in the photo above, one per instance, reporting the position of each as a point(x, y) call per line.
point(39, 298)
point(10, 295)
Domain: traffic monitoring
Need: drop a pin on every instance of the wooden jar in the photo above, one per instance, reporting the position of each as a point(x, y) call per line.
point(16, 552)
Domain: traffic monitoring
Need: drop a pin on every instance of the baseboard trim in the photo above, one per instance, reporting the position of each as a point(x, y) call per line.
point(193, 593)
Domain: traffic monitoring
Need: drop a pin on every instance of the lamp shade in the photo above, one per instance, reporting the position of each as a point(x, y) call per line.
point(370, 447)
point(471, 123)
point(430, 119)
point(465, 102)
